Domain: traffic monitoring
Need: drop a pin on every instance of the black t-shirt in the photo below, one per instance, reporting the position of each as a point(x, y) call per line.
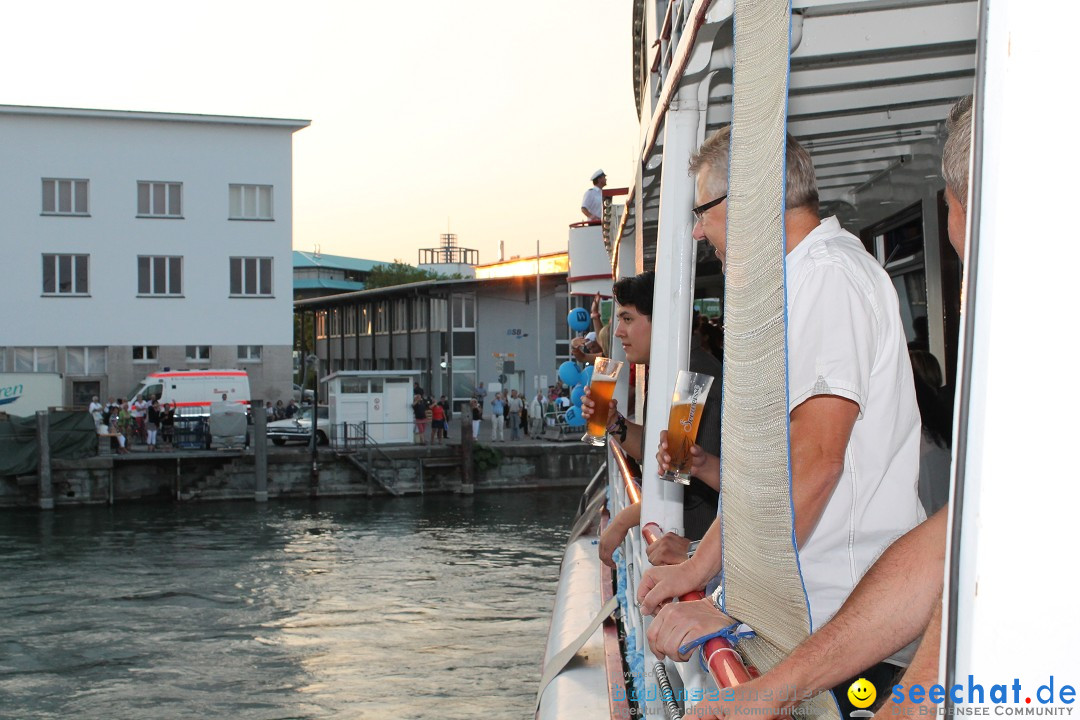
point(420, 410)
point(700, 500)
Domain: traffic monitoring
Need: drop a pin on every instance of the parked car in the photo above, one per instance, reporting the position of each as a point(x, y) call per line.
point(298, 427)
point(303, 395)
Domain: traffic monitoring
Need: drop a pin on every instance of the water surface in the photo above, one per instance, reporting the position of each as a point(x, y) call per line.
point(431, 607)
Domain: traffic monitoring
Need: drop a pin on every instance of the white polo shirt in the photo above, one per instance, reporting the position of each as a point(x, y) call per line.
point(845, 338)
point(594, 202)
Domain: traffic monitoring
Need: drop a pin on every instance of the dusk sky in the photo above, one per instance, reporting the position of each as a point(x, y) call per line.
point(484, 117)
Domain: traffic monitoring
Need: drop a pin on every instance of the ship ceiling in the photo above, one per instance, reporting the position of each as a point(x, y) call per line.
point(870, 85)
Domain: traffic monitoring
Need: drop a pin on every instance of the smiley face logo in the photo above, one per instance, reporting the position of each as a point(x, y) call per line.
point(862, 693)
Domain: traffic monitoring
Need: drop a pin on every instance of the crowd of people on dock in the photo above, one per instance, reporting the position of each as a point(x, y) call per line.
point(869, 427)
point(143, 420)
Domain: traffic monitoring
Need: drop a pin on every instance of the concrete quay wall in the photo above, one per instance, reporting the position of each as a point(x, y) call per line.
point(202, 476)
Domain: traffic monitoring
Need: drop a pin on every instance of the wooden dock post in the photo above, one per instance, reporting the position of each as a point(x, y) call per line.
point(466, 453)
point(45, 489)
point(258, 414)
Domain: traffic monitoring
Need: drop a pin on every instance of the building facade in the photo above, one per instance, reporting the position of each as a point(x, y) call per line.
point(139, 241)
point(457, 333)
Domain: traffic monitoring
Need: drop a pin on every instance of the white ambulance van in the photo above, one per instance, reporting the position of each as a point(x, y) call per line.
point(192, 391)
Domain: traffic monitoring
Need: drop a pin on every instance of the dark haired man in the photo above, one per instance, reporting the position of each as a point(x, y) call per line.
point(634, 296)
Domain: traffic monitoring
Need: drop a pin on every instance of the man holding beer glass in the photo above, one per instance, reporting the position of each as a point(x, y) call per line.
point(854, 424)
point(634, 296)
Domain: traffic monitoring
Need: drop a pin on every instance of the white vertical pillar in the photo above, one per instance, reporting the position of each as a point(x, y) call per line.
point(672, 298)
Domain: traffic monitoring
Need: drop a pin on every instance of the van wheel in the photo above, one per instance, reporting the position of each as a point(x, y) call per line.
point(321, 437)
point(278, 441)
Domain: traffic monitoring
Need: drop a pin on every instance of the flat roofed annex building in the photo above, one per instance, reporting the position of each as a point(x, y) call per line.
point(138, 241)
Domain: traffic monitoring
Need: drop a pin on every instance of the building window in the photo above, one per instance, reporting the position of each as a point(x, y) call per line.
point(251, 276)
point(335, 321)
point(438, 314)
point(160, 275)
point(463, 382)
point(350, 322)
point(381, 324)
point(320, 324)
point(87, 361)
point(144, 353)
point(159, 199)
point(251, 202)
point(365, 322)
point(420, 314)
point(365, 363)
point(64, 197)
point(3, 359)
point(65, 274)
point(464, 315)
point(249, 353)
point(401, 316)
point(35, 359)
point(197, 353)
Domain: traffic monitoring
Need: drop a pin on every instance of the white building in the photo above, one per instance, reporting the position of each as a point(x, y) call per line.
point(136, 241)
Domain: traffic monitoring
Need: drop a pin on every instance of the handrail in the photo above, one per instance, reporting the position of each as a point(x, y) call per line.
point(725, 664)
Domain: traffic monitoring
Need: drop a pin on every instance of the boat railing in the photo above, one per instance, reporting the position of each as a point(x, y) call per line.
point(725, 665)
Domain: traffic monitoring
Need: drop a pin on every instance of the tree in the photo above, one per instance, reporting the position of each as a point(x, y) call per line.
point(397, 273)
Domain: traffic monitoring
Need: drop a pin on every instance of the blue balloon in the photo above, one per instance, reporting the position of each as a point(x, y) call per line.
point(578, 320)
point(586, 375)
point(576, 394)
point(573, 417)
point(569, 373)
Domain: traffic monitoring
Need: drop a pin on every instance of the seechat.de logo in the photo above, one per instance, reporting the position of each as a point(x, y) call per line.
point(862, 695)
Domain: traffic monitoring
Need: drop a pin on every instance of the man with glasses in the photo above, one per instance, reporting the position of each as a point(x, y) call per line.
point(854, 423)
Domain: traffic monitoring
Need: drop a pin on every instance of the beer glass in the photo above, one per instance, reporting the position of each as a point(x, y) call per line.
point(687, 405)
point(605, 373)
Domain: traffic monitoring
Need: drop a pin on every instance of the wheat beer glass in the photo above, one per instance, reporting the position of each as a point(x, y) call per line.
point(687, 405)
point(605, 373)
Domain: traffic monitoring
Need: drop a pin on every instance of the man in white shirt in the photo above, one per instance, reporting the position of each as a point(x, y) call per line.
point(592, 205)
point(854, 422)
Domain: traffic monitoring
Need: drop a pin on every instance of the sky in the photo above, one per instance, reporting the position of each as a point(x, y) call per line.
point(484, 119)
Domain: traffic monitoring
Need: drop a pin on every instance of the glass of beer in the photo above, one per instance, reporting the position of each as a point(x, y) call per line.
point(602, 387)
point(687, 405)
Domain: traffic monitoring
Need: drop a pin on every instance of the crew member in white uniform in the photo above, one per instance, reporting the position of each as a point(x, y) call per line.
point(592, 205)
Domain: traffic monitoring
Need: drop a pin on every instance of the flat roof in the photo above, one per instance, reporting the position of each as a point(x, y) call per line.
point(407, 288)
point(40, 111)
point(302, 259)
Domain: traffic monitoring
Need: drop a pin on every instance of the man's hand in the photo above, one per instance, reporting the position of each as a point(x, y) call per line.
point(668, 550)
point(660, 584)
point(680, 623)
point(703, 466)
point(610, 540)
point(588, 405)
point(616, 530)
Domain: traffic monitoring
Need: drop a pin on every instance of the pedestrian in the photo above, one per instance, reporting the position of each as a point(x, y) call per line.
point(438, 424)
point(445, 405)
point(536, 413)
point(477, 416)
point(514, 406)
point(498, 409)
point(167, 423)
point(153, 422)
point(420, 416)
point(137, 410)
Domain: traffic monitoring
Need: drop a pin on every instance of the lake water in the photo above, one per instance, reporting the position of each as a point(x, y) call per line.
point(433, 607)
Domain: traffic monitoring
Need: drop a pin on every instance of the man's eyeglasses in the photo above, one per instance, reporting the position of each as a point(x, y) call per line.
point(702, 209)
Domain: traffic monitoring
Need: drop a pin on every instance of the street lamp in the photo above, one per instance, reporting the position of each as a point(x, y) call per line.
point(312, 362)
